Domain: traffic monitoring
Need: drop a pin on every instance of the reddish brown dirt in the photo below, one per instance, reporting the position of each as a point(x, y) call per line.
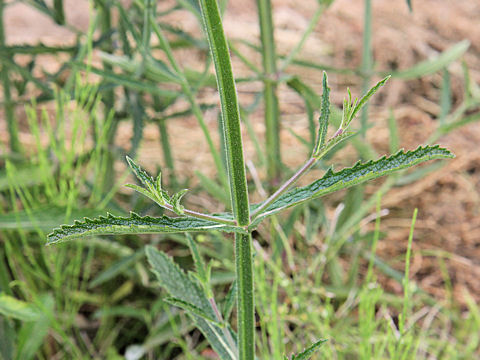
point(448, 227)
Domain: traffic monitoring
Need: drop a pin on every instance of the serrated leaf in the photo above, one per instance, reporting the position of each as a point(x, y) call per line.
point(308, 352)
point(142, 175)
point(358, 104)
point(361, 172)
point(197, 259)
point(176, 282)
point(134, 224)
point(175, 201)
point(178, 285)
point(324, 117)
point(192, 309)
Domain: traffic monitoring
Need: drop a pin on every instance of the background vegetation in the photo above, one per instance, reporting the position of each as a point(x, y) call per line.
point(74, 107)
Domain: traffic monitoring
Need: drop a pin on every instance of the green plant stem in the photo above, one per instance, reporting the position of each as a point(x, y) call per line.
point(237, 177)
point(406, 283)
point(367, 61)
point(284, 187)
point(230, 110)
point(245, 296)
point(109, 95)
point(7, 97)
point(187, 91)
point(272, 112)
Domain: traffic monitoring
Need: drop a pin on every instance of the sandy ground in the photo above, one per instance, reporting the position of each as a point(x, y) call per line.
point(448, 228)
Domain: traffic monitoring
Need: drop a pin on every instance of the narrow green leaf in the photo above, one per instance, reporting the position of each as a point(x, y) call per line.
point(18, 309)
point(324, 117)
point(357, 106)
point(230, 301)
point(134, 224)
point(361, 172)
point(44, 218)
point(431, 66)
point(197, 259)
point(7, 339)
point(142, 175)
point(305, 92)
point(445, 97)
point(213, 188)
point(448, 127)
point(308, 352)
point(155, 70)
point(409, 3)
point(393, 132)
point(25, 176)
point(128, 82)
point(192, 309)
point(32, 336)
point(59, 14)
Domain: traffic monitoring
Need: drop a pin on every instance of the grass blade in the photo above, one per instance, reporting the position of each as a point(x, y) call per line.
point(308, 352)
point(431, 66)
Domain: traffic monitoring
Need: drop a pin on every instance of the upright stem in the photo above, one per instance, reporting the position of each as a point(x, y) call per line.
point(197, 112)
point(245, 296)
point(236, 173)
point(7, 97)
point(367, 61)
point(272, 113)
point(109, 96)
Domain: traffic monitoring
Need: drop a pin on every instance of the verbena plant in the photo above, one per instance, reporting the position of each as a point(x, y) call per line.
point(192, 292)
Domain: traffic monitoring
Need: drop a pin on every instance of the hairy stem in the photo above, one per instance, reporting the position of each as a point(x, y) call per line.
point(272, 113)
point(237, 177)
point(245, 297)
point(187, 91)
